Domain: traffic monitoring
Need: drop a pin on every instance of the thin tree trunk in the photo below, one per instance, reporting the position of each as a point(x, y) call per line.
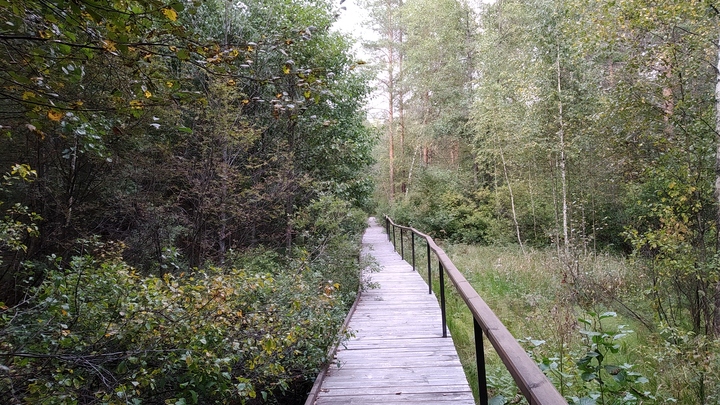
point(391, 105)
point(512, 196)
point(401, 97)
point(563, 169)
point(532, 202)
point(716, 313)
point(410, 172)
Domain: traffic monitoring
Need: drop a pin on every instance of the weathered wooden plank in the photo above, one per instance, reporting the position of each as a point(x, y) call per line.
point(397, 354)
point(400, 398)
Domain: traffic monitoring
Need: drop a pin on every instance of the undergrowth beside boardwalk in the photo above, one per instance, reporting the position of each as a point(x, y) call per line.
point(595, 337)
point(254, 329)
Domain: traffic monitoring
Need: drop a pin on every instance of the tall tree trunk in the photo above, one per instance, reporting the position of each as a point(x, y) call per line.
point(716, 310)
point(401, 96)
point(563, 169)
point(391, 140)
point(391, 101)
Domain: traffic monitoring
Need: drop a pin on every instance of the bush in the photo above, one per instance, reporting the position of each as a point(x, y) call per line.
point(97, 331)
point(439, 206)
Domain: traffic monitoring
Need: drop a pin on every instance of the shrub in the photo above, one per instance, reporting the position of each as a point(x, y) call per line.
point(97, 331)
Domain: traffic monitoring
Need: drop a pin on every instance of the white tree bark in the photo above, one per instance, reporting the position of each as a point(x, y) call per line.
point(563, 170)
point(716, 311)
point(512, 196)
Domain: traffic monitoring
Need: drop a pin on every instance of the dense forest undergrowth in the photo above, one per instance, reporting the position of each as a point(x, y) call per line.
point(599, 326)
point(181, 199)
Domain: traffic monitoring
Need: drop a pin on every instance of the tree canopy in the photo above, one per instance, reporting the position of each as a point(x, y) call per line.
point(180, 200)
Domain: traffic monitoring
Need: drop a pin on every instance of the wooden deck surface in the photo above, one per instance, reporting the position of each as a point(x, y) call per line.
point(398, 354)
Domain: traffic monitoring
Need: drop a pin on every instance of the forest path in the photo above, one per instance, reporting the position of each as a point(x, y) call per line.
point(397, 354)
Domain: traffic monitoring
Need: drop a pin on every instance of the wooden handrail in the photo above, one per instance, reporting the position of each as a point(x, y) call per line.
point(531, 381)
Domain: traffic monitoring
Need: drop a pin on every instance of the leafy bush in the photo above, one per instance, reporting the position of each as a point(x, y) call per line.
point(440, 207)
point(97, 331)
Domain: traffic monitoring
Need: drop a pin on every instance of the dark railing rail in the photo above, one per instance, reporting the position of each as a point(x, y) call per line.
point(533, 384)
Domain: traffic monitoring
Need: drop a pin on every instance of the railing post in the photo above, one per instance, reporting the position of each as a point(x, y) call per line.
point(480, 358)
point(394, 239)
point(387, 226)
point(402, 245)
point(429, 269)
point(412, 238)
point(442, 298)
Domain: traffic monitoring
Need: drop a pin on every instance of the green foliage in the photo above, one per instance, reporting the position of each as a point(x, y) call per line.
point(700, 357)
point(655, 364)
point(615, 383)
point(99, 331)
point(438, 205)
point(18, 223)
point(193, 128)
point(670, 241)
point(197, 167)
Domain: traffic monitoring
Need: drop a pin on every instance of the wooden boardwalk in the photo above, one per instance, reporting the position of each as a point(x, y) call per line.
point(398, 354)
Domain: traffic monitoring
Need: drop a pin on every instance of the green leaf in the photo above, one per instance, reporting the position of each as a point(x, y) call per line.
point(588, 376)
point(183, 54)
point(65, 49)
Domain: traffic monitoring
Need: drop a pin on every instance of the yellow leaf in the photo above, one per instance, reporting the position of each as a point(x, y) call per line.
point(109, 45)
point(286, 69)
point(28, 94)
point(136, 104)
point(170, 14)
point(169, 83)
point(231, 82)
point(147, 94)
point(54, 115)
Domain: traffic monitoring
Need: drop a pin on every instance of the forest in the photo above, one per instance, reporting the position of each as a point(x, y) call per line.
point(182, 194)
point(566, 151)
point(184, 186)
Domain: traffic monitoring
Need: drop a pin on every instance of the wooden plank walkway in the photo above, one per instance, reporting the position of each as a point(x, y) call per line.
point(398, 354)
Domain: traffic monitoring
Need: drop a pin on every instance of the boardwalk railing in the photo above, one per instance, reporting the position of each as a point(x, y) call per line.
point(533, 384)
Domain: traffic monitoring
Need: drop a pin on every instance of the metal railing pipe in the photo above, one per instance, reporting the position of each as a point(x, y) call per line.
point(429, 270)
point(442, 299)
point(412, 236)
point(480, 360)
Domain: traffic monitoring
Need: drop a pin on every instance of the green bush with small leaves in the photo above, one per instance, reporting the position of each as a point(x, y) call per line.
point(98, 331)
